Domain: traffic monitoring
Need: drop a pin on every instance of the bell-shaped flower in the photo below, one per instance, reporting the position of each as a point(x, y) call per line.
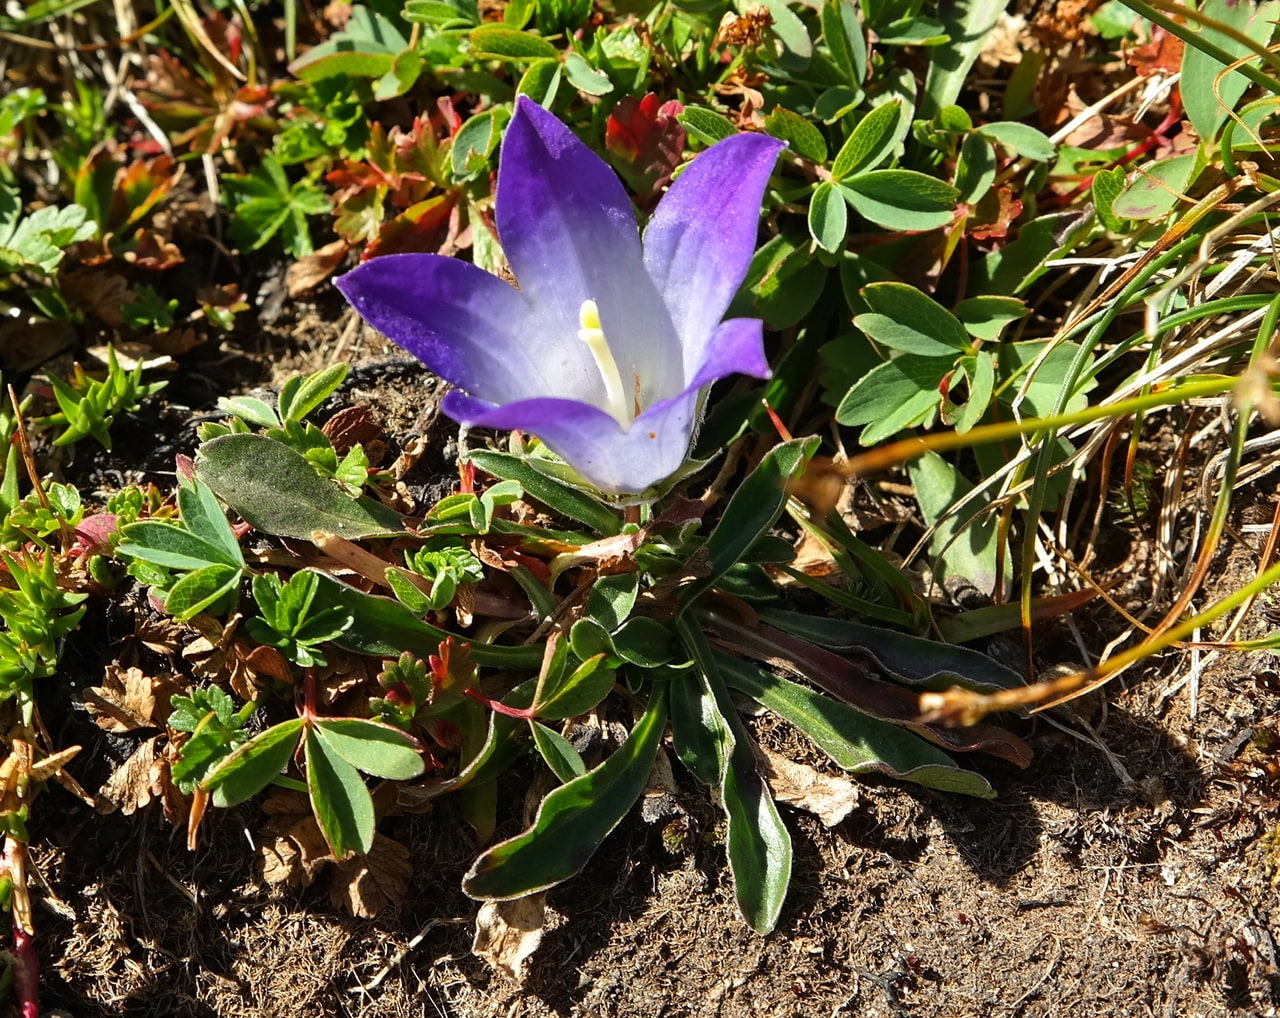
point(605, 346)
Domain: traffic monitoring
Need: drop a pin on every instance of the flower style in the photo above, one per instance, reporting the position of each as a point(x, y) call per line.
point(604, 349)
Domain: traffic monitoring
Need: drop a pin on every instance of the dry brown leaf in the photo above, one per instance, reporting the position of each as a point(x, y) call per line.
point(130, 787)
point(365, 885)
point(176, 806)
point(829, 797)
point(292, 850)
point(128, 699)
point(311, 270)
point(508, 932)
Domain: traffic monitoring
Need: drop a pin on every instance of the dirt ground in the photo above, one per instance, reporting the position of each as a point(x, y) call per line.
point(1129, 871)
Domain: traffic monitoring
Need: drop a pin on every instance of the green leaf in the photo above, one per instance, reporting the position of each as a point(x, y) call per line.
point(612, 598)
point(844, 38)
point(967, 23)
point(202, 589)
point(1022, 139)
point(805, 139)
point(540, 81)
point(342, 804)
point(170, 547)
point(247, 408)
point(750, 512)
point(828, 217)
point(898, 394)
point(253, 766)
point(382, 627)
point(975, 169)
point(903, 318)
point(1158, 187)
point(870, 142)
point(203, 516)
point(855, 742)
point(564, 500)
point(960, 552)
point(901, 199)
point(559, 754)
point(275, 490)
point(986, 317)
point(980, 370)
point(1206, 97)
point(706, 125)
point(475, 143)
point(575, 694)
point(1107, 187)
point(586, 78)
point(502, 43)
point(644, 642)
point(573, 819)
point(299, 395)
point(372, 747)
point(759, 845)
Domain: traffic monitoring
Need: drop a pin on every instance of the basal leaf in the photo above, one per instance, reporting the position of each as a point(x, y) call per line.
point(573, 819)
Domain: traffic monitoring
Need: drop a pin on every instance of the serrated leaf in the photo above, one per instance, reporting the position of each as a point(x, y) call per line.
point(372, 747)
point(502, 43)
point(870, 141)
point(275, 490)
point(573, 819)
point(342, 804)
point(828, 217)
point(901, 199)
point(706, 125)
point(805, 139)
point(253, 766)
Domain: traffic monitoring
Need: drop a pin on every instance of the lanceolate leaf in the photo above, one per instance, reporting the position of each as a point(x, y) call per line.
point(574, 504)
point(854, 741)
point(373, 747)
point(574, 819)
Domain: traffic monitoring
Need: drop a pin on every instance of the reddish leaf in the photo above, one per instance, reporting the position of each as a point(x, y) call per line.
point(645, 142)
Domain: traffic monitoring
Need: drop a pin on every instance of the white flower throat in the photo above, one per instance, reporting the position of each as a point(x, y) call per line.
point(615, 396)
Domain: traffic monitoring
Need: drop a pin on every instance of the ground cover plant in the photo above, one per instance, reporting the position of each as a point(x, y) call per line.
point(752, 398)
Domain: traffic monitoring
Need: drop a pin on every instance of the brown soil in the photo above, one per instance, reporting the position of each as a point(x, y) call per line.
point(1131, 875)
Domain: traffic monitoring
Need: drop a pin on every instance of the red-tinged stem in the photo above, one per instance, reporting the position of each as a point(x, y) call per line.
point(524, 713)
point(26, 974)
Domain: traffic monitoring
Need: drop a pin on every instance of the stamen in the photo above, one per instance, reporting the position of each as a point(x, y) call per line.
point(592, 334)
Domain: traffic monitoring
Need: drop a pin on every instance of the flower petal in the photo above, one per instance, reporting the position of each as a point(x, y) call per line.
point(593, 443)
point(735, 347)
point(699, 243)
point(467, 326)
point(569, 232)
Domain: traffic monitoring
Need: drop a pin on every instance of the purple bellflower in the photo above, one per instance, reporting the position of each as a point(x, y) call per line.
point(605, 349)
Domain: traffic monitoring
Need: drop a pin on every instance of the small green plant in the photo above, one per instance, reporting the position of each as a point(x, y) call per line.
point(37, 242)
point(90, 405)
point(287, 622)
point(265, 203)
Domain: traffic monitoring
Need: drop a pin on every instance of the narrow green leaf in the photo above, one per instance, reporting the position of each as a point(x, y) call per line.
point(843, 36)
point(372, 747)
point(870, 142)
point(573, 819)
point(255, 411)
point(565, 500)
point(855, 742)
point(1107, 186)
point(828, 217)
point(576, 693)
point(752, 510)
point(253, 766)
point(310, 391)
point(975, 168)
point(274, 488)
point(382, 627)
point(965, 552)
point(340, 801)
point(558, 752)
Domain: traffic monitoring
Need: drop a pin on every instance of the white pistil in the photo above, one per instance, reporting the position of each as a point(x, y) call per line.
point(593, 336)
